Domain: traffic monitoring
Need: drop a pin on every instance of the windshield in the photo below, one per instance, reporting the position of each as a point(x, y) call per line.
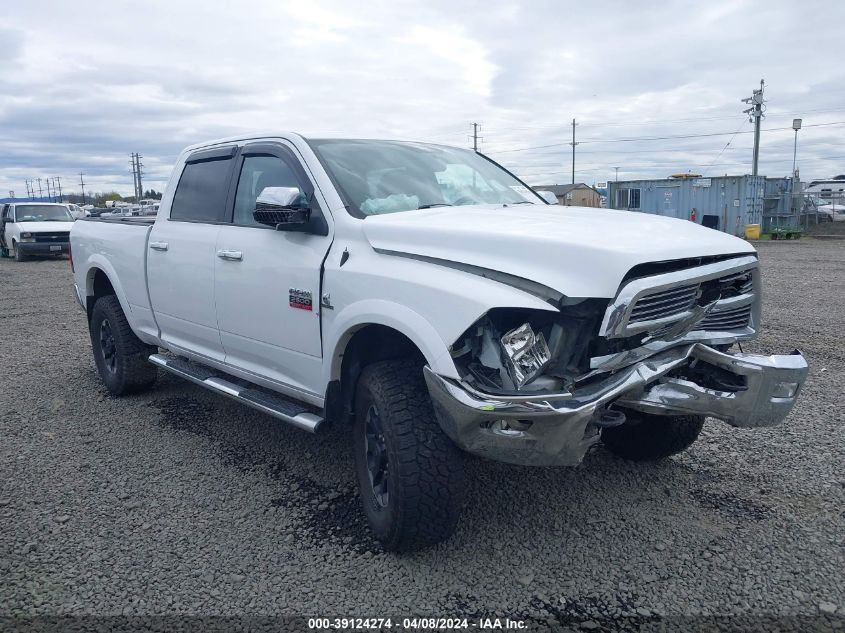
point(378, 177)
point(42, 213)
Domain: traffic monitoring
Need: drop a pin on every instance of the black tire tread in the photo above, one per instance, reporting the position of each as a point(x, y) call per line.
point(647, 437)
point(19, 255)
point(431, 484)
point(135, 372)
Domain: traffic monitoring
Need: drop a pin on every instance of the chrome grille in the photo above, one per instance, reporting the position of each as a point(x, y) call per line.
point(726, 319)
point(671, 302)
point(663, 304)
point(743, 281)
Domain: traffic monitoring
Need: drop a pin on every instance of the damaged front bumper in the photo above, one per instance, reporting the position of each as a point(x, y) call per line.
point(543, 429)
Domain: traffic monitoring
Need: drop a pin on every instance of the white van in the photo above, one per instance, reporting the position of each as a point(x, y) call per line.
point(34, 228)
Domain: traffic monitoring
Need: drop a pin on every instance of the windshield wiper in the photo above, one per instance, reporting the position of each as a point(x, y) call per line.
point(520, 202)
point(434, 204)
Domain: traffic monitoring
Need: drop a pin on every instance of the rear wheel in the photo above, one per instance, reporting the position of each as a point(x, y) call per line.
point(647, 437)
point(121, 357)
point(410, 474)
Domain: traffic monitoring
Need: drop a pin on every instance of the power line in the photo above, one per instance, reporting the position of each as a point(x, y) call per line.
point(645, 122)
point(632, 139)
point(704, 173)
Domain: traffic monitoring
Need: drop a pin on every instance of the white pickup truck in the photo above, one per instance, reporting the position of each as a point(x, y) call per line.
point(431, 301)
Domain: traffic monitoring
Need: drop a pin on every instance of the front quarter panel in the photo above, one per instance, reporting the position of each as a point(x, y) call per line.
point(430, 304)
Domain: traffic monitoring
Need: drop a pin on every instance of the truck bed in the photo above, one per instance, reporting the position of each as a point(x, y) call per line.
point(126, 219)
point(119, 247)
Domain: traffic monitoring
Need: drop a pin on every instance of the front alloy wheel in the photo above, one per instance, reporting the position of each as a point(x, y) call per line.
point(376, 457)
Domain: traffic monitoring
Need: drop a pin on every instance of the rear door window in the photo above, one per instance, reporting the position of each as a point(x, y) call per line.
point(201, 193)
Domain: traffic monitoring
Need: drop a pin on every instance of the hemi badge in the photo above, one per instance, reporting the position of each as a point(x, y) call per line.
point(300, 299)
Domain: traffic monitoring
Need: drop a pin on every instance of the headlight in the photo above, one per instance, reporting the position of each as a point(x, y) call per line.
point(525, 353)
point(27, 237)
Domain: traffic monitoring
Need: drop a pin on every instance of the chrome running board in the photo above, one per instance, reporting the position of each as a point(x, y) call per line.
point(260, 399)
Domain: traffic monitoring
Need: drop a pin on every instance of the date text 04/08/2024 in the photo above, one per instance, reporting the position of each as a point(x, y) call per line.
point(423, 623)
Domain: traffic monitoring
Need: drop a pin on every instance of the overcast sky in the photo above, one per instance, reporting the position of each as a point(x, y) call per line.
point(83, 84)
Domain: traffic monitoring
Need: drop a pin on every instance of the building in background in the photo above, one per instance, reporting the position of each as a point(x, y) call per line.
point(726, 203)
point(577, 195)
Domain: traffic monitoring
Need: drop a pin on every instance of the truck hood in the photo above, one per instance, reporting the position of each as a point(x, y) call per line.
point(44, 227)
point(577, 251)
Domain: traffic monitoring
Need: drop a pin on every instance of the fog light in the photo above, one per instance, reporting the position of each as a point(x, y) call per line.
point(785, 390)
point(511, 428)
point(526, 354)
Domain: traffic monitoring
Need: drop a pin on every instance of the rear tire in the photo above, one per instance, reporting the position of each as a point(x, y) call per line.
point(121, 357)
point(410, 474)
point(645, 437)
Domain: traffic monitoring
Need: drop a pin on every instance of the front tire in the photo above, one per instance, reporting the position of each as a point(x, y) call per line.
point(121, 357)
point(19, 256)
point(410, 474)
point(646, 437)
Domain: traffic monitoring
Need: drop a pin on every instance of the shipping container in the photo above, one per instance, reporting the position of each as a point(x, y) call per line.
point(726, 203)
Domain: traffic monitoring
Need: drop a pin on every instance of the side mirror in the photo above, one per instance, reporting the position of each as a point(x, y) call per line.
point(283, 208)
point(548, 196)
point(7, 219)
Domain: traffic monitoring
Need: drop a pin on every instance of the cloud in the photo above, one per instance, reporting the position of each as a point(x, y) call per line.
point(463, 56)
point(84, 84)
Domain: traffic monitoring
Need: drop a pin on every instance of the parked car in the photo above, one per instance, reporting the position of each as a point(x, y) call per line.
point(429, 300)
point(34, 228)
point(829, 212)
point(76, 211)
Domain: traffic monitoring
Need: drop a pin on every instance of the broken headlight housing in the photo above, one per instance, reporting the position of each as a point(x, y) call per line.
point(514, 349)
point(525, 354)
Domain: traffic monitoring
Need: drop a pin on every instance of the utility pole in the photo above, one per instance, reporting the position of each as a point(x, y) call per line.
point(475, 137)
point(573, 143)
point(134, 174)
point(59, 181)
point(134, 177)
point(28, 194)
point(82, 184)
point(755, 115)
point(49, 191)
point(140, 186)
point(40, 191)
point(135, 161)
point(617, 173)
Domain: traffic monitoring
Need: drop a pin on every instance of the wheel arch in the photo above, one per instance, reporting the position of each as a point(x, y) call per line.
point(99, 282)
point(374, 334)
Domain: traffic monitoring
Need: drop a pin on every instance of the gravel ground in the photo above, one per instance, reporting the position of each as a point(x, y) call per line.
point(182, 502)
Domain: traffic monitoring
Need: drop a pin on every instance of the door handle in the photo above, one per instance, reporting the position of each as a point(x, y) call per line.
point(232, 256)
point(158, 246)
